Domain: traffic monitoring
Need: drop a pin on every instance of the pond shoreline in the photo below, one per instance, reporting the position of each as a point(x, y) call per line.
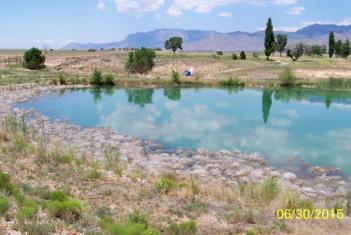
point(221, 166)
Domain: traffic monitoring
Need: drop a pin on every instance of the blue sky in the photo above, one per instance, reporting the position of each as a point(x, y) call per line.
point(54, 23)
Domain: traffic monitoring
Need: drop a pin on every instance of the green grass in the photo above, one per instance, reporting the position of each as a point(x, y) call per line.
point(165, 184)
point(4, 205)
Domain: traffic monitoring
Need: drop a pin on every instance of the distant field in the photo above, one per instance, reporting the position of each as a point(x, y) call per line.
point(208, 67)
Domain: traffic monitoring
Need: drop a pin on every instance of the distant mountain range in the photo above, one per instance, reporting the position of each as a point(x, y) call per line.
point(197, 40)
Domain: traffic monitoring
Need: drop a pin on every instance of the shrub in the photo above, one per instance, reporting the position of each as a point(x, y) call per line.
point(62, 79)
point(38, 229)
point(281, 225)
point(58, 196)
point(270, 189)
point(165, 184)
point(287, 78)
point(255, 54)
point(151, 231)
point(109, 80)
point(250, 232)
point(4, 205)
point(219, 52)
point(5, 183)
point(348, 204)
point(34, 59)
point(230, 83)
point(96, 78)
point(94, 174)
point(114, 161)
point(28, 211)
point(92, 50)
point(112, 228)
point(69, 211)
point(292, 200)
point(296, 51)
point(65, 159)
point(234, 56)
point(242, 55)
point(175, 77)
point(140, 60)
point(184, 228)
point(138, 217)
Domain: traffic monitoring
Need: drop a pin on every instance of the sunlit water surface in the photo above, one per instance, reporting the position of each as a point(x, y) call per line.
point(277, 124)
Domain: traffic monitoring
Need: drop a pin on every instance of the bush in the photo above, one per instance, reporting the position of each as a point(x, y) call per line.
point(140, 60)
point(28, 211)
point(184, 228)
point(296, 51)
point(5, 183)
point(34, 59)
point(175, 77)
point(242, 55)
point(234, 56)
point(287, 78)
point(38, 229)
point(92, 50)
point(4, 205)
point(255, 54)
point(114, 161)
point(270, 189)
point(292, 200)
point(96, 78)
point(165, 184)
point(69, 211)
point(62, 80)
point(151, 231)
point(65, 159)
point(58, 196)
point(348, 204)
point(219, 52)
point(138, 217)
point(109, 80)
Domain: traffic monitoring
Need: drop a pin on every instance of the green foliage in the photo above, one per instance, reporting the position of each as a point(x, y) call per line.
point(5, 183)
point(251, 232)
point(220, 53)
point(96, 78)
point(317, 50)
point(234, 56)
point(92, 50)
point(140, 61)
point(345, 49)
point(230, 83)
point(62, 79)
point(266, 104)
point(269, 39)
point(242, 55)
point(184, 228)
point(331, 44)
point(35, 228)
point(150, 231)
point(109, 80)
point(69, 210)
point(138, 217)
point(175, 77)
point(28, 211)
point(4, 205)
point(58, 196)
point(270, 189)
point(174, 43)
point(140, 97)
point(287, 77)
point(335, 83)
point(348, 204)
point(338, 47)
point(282, 41)
point(114, 161)
point(281, 225)
point(173, 93)
point(34, 59)
point(112, 228)
point(94, 174)
point(165, 184)
point(65, 158)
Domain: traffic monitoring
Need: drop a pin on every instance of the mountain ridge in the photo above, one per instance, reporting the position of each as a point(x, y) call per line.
point(210, 40)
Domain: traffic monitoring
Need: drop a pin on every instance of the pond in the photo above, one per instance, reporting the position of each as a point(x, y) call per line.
point(279, 125)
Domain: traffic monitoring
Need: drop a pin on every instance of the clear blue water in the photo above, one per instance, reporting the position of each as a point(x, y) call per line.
point(278, 124)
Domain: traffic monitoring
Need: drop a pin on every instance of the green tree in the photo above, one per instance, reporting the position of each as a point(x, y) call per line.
point(338, 47)
point(317, 50)
point(296, 52)
point(266, 104)
point(34, 59)
point(282, 41)
point(269, 39)
point(174, 43)
point(331, 44)
point(345, 49)
point(140, 60)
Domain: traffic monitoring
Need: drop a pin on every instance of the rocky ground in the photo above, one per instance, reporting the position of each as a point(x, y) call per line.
point(208, 168)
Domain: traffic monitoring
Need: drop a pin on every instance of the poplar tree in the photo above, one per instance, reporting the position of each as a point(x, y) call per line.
point(331, 44)
point(269, 39)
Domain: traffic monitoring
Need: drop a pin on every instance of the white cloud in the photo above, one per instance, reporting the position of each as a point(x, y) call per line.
point(204, 6)
point(138, 6)
point(296, 10)
point(225, 14)
point(346, 21)
point(101, 5)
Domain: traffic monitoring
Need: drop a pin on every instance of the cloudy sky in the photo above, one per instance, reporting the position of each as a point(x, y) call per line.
point(56, 22)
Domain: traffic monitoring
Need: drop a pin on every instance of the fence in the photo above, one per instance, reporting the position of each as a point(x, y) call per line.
point(12, 60)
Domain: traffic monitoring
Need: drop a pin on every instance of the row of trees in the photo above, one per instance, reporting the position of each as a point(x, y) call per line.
point(338, 48)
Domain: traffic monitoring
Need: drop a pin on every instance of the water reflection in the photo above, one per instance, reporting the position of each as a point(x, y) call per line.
point(266, 104)
point(172, 93)
point(140, 97)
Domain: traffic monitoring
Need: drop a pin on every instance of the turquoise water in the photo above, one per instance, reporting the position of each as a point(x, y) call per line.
point(278, 124)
